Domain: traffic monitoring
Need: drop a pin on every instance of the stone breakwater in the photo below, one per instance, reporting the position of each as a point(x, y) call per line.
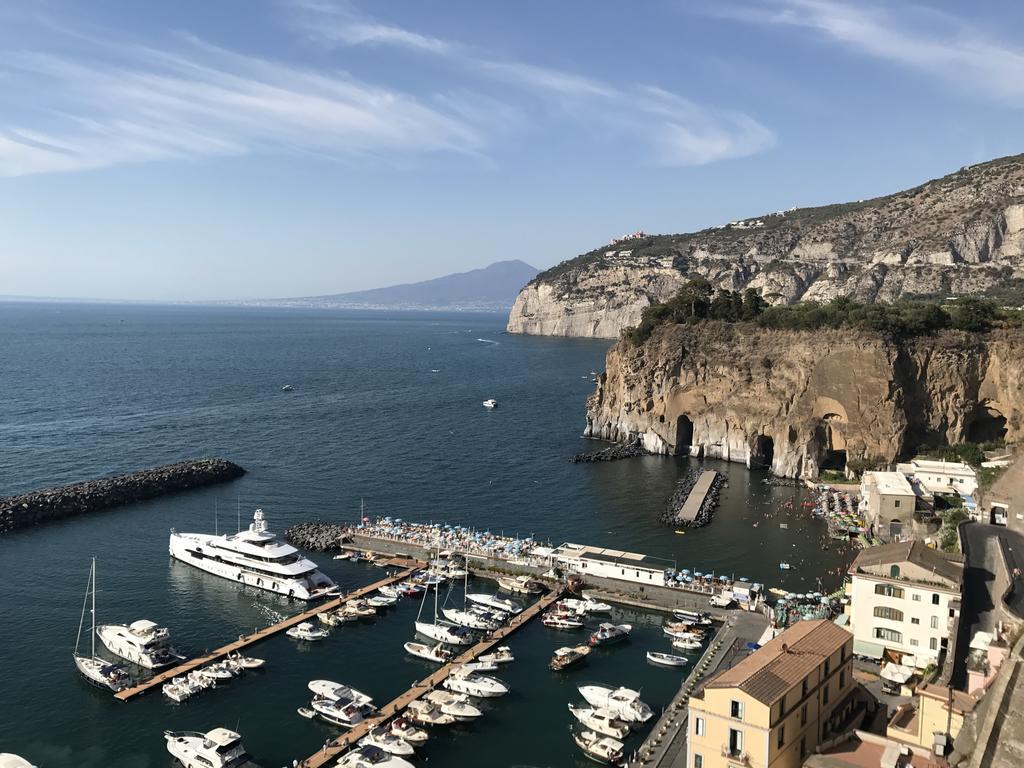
point(316, 536)
point(682, 492)
point(51, 504)
point(611, 453)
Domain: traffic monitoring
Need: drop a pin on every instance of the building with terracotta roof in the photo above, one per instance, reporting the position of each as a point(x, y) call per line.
point(775, 706)
point(904, 602)
point(932, 719)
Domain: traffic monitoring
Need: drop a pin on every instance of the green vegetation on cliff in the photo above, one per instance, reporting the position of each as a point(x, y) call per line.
point(696, 303)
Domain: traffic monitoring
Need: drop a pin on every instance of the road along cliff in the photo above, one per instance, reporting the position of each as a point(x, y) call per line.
point(960, 234)
point(800, 401)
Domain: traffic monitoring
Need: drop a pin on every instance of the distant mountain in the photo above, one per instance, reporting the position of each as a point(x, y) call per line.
point(491, 288)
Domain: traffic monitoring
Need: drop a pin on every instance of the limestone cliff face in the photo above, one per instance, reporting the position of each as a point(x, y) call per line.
point(959, 234)
point(798, 401)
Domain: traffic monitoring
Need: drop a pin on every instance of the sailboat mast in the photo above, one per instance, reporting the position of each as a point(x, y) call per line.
point(81, 620)
point(92, 632)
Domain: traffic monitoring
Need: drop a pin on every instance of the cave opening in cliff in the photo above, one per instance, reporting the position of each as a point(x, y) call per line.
point(987, 426)
point(763, 453)
point(684, 435)
point(831, 444)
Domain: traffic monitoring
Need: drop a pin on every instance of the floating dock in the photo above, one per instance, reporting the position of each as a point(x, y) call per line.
point(336, 747)
point(408, 566)
point(691, 507)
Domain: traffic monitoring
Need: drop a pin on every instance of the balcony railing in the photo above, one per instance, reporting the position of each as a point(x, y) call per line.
point(735, 756)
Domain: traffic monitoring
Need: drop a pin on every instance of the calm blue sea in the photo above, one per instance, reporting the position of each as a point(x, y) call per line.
point(386, 409)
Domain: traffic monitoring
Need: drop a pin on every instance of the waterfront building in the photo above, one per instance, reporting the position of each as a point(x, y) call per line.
point(773, 708)
point(904, 602)
point(599, 562)
point(932, 719)
point(940, 476)
point(862, 749)
point(887, 501)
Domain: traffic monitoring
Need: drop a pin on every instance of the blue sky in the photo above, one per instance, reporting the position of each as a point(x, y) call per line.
point(231, 149)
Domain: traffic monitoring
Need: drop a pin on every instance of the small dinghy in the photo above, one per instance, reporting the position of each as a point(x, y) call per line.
point(667, 659)
point(306, 712)
point(437, 653)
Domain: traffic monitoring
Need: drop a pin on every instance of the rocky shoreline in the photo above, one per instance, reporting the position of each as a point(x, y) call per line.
point(682, 491)
point(315, 536)
point(38, 507)
point(628, 450)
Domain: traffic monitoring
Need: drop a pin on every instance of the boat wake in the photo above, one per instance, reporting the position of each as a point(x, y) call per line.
point(488, 341)
point(268, 613)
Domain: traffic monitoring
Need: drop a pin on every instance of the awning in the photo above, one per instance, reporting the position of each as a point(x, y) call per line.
point(871, 650)
point(897, 673)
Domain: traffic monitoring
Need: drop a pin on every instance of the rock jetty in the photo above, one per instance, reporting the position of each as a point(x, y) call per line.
point(628, 450)
point(316, 536)
point(51, 504)
point(682, 492)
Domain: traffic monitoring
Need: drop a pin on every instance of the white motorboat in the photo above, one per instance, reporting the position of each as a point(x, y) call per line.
point(501, 655)
point(698, 618)
point(329, 689)
point(217, 672)
point(219, 748)
point(177, 690)
point(561, 621)
point(306, 712)
point(566, 657)
point(607, 634)
point(142, 642)
point(682, 634)
point(10, 760)
point(462, 680)
point(405, 730)
point(686, 643)
point(490, 403)
point(255, 558)
point(524, 585)
point(574, 605)
point(372, 757)
point(287, 388)
point(97, 671)
point(339, 712)
point(425, 713)
point(667, 659)
point(383, 738)
point(331, 618)
point(495, 602)
point(381, 601)
point(601, 749)
point(359, 608)
point(246, 662)
point(455, 704)
point(480, 666)
point(343, 556)
point(436, 653)
point(625, 703)
point(389, 590)
point(784, 566)
point(602, 721)
point(306, 631)
point(470, 619)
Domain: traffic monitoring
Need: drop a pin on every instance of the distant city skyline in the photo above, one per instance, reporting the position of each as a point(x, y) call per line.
point(243, 150)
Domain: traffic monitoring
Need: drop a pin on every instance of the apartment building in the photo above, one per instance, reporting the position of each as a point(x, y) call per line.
point(904, 602)
point(775, 706)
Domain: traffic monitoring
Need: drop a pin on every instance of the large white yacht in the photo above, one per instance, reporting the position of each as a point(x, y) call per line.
point(142, 642)
point(255, 558)
point(219, 748)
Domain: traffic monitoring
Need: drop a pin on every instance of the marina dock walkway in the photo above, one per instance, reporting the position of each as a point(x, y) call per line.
point(343, 743)
point(408, 566)
point(688, 513)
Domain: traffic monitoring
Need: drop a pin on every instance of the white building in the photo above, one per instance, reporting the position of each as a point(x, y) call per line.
point(887, 501)
point(611, 564)
point(904, 602)
point(940, 476)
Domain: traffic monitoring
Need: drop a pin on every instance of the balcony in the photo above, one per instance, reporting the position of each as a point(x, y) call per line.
point(735, 756)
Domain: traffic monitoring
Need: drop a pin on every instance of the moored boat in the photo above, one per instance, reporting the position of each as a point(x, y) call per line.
point(561, 621)
point(462, 680)
point(524, 585)
point(436, 653)
point(606, 634)
point(385, 739)
point(692, 617)
point(602, 721)
point(142, 642)
point(624, 702)
point(424, 713)
point(566, 657)
point(493, 601)
point(369, 756)
point(502, 655)
point(219, 748)
point(667, 659)
point(405, 730)
point(601, 749)
point(455, 704)
point(305, 631)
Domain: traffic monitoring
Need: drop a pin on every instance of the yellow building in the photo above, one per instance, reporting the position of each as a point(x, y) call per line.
point(934, 717)
point(775, 706)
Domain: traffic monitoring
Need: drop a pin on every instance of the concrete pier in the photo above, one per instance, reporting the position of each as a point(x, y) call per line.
point(687, 514)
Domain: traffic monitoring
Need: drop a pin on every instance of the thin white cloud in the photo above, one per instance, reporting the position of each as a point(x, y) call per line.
point(673, 130)
point(931, 42)
point(204, 101)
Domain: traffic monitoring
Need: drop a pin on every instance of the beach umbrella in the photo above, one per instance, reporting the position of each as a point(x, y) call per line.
point(723, 578)
point(685, 570)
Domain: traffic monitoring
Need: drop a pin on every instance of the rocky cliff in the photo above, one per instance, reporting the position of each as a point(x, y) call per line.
point(963, 233)
point(799, 401)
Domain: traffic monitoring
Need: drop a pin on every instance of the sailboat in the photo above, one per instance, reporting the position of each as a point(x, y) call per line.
point(470, 619)
point(97, 671)
point(441, 632)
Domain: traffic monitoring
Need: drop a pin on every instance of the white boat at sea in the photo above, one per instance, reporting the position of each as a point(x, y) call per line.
point(692, 617)
point(94, 670)
point(462, 680)
point(406, 731)
point(495, 602)
point(306, 631)
point(142, 642)
point(501, 655)
point(784, 566)
point(10, 760)
point(382, 738)
point(455, 704)
point(424, 713)
point(625, 703)
point(338, 712)
point(490, 403)
point(470, 619)
point(440, 631)
point(601, 749)
point(372, 757)
point(686, 643)
point(561, 621)
point(219, 748)
point(606, 634)
point(339, 692)
point(253, 558)
point(436, 653)
point(524, 585)
point(585, 606)
point(667, 659)
point(603, 721)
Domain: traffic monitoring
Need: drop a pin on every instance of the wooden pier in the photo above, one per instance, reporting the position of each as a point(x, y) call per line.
point(408, 568)
point(691, 507)
point(336, 747)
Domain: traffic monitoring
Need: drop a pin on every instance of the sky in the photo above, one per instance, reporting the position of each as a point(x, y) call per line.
point(236, 149)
